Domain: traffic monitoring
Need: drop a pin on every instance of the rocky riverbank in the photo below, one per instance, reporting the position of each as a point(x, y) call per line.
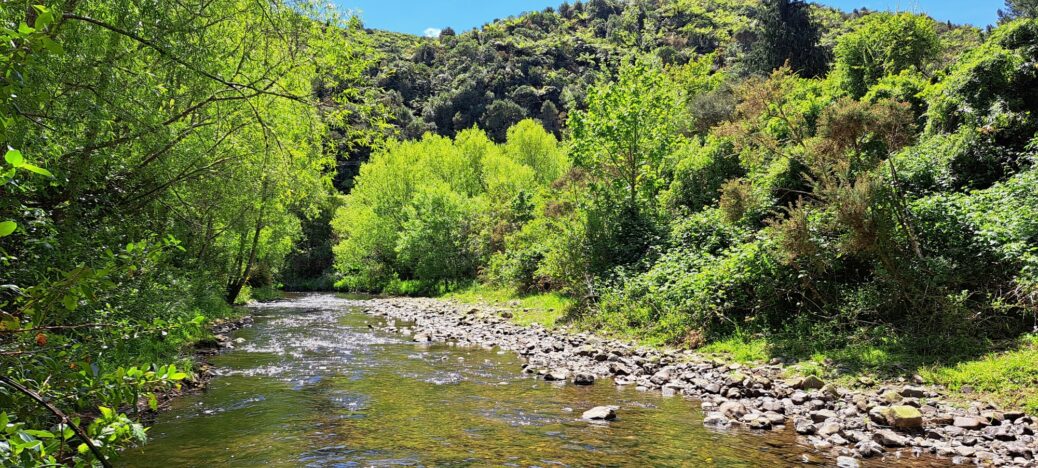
point(879, 420)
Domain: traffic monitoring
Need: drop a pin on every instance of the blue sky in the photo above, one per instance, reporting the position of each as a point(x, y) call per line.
point(418, 16)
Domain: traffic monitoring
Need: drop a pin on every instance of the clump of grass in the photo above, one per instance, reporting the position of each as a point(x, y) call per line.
point(740, 348)
point(1009, 377)
point(546, 309)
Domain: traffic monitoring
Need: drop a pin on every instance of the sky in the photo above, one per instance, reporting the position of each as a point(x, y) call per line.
point(429, 16)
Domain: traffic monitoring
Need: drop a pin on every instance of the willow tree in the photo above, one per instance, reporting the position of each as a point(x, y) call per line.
point(197, 120)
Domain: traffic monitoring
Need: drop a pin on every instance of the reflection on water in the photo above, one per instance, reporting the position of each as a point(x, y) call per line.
point(313, 385)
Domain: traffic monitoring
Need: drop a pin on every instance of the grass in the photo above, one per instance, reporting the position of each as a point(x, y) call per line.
point(1009, 377)
point(547, 309)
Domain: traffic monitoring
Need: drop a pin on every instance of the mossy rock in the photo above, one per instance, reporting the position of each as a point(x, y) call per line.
point(904, 417)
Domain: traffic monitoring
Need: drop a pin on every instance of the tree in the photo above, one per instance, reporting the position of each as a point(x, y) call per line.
point(550, 118)
point(626, 131)
point(434, 238)
point(788, 36)
point(529, 144)
point(1018, 9)
point(499, 116)
point(884, 44)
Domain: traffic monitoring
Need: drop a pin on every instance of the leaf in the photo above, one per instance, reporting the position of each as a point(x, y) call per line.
point(7, 227)
point(52, 46)
point(107, 413)
point(36, 169)
point(14, 157)
point(178, 376)
point(153, 402)
point(39, 434)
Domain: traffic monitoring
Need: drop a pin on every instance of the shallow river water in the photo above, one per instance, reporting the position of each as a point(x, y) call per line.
point(313, 385)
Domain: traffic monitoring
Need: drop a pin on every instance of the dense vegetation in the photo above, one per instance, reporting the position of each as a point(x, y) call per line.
point(687, 171)
point(159, 159)
point(752, 169)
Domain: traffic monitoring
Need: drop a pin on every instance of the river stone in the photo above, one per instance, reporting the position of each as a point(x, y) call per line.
point(556, 375)
point(600, 413)
point(422, 338)
point(847, 462)
point(733, 409)
point(828, 429)
point(967, 422)
point(760, 423)
point(583, 378)
point(808, 383)
point(822, 415)
point(774, 417)
point(868, 448)
point(715, 419)
point(618, 368)
point(904, 417)
point(804, 426)
point(912, 392)
point(888, 438)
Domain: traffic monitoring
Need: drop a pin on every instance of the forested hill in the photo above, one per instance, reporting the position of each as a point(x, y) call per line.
point(541, 64)
point(773, 174)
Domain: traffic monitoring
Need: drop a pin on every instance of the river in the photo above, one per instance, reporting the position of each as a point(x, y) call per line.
point(313, 384)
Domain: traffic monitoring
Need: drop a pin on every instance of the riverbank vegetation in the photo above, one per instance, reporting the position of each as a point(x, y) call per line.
point(857, 190)
point(757, 177)
point(159, 159)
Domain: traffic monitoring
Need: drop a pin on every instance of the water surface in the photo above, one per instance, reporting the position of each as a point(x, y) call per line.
point(314, 385)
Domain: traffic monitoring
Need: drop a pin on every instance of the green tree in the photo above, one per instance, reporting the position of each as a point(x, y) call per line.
point(627, 131)
point(788, 36)
point(434, 241)
point(1016, 9)
point(884, 44)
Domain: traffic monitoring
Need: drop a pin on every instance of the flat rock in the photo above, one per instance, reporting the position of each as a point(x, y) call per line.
point(888, 438)
point(600, 413)
point(967, 422)
point(912, 392)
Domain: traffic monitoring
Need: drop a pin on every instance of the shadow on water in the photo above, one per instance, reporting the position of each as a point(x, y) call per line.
point(313, 385)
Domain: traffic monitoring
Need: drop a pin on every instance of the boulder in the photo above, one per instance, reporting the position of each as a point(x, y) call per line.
point(733, 409)
point(619, 368)
point(808, 383)
point(804, 426)
point(822, 415)
point(600, 413)
point(868, 448)
point(557, 375)
point(829, 428)
point(583, 378)
point(904, 417)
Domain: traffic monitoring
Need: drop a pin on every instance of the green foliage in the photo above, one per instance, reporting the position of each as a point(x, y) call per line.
point(435, 233)
point(992, 87)
point(437, 209)
point(626, 133)
point(884, 44)
point(788, 37)
point(144, 177)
